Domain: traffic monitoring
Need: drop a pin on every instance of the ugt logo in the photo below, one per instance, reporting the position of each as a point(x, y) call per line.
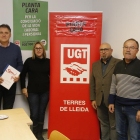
point(75, 63)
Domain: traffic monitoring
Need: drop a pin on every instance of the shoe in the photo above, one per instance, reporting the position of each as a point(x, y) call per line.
point(40, 130)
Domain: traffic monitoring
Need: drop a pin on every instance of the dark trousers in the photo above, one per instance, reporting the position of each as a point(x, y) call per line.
point(8, 96)
point(107, 123)
point(38, 103)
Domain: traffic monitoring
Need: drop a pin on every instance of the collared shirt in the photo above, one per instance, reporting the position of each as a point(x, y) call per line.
point(104, 66)
point(6, 46)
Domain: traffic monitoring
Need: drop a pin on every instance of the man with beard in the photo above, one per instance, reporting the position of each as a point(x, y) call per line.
point(100, 81)
point(125, 92)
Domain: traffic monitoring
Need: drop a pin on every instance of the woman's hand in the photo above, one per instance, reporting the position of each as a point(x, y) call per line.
point(24, 91)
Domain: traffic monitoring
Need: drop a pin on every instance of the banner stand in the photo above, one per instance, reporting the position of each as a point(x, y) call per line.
point(75, 38)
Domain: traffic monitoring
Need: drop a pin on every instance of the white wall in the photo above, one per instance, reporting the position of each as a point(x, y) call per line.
point(121, 21)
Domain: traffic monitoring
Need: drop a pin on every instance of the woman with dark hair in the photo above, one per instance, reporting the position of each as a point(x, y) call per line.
point(37, 91)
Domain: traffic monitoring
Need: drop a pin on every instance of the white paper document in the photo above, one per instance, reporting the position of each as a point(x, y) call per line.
point(9, 74)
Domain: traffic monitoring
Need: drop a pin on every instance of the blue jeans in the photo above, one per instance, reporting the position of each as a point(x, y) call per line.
point(38, 103)
point(126, 119)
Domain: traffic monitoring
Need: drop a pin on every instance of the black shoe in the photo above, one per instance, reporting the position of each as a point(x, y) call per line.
point(35, 131)
point(40, 130)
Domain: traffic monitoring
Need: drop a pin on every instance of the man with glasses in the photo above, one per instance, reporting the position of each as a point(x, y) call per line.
point(9, 54)
point(100, 81)
point(125, 92)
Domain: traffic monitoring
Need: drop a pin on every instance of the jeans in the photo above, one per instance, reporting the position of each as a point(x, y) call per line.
point(38, 103)
point(107, 123)
point(8, 96)
point(126, 119)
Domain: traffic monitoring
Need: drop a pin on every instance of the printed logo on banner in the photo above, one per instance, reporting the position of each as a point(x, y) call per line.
point(75, 63)
point(44, 42)
point(17, 42)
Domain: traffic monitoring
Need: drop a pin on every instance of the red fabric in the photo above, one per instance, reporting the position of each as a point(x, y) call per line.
point(74, 45)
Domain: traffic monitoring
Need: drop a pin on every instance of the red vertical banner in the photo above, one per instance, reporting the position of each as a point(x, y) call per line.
point(74, 45)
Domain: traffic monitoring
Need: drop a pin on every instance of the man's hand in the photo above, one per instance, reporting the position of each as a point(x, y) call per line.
point(1, 80)
point(94, 105)
point(24, 91)
point(111, 108)
point(138, 116)
point(16, 79)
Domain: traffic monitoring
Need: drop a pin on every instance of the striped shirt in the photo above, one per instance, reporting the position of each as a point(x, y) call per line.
point(125, 86)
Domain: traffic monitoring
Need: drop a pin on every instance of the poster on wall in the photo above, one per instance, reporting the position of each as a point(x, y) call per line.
point(30, 23)
point(74, 45)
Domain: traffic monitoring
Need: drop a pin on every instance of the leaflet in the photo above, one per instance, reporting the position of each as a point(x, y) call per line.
point(9, 74)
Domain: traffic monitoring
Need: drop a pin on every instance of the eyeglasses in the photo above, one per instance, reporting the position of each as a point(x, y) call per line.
point(130, 48)
point(38, 48)
point(105, 50)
